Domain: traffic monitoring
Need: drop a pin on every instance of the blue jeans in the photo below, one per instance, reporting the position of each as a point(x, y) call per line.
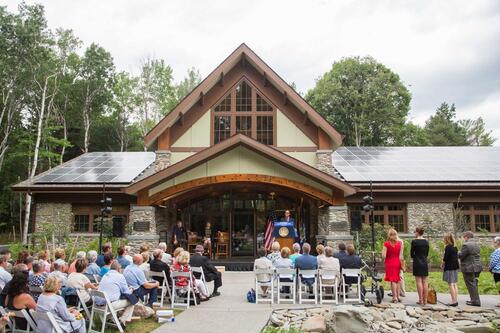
point(153, 294)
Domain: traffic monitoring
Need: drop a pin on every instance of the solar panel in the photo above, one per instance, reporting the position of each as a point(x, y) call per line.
point(406, 164)
point(99, 168)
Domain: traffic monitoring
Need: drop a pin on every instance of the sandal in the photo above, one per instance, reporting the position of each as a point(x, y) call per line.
point(394, 300)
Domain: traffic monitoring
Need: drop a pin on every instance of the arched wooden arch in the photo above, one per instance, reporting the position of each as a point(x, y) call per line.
point(157, 198)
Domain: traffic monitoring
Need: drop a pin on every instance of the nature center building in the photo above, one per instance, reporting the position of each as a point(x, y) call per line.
point(244, 146)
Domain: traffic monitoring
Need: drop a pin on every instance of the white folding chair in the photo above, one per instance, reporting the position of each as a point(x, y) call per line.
point(3, 312)
point(189, 289)
point(354, 273)
point(97, 278)
point(199, 270)
point(164, 288)
point(82, 305)
point(288, 273)
point(30, 323)
point(259, 284)
point(328, 280)
point(304, 293)
point(106, 313)
point(46, 316)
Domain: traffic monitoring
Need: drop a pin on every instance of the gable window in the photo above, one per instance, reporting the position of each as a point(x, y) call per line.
point(244, 111)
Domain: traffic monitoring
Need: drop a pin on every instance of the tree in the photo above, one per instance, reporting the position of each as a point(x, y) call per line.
point(124, 105)
point(411, 134)
point(363, 99)
point(187, 85)
point(475, 132)
point(443, 129)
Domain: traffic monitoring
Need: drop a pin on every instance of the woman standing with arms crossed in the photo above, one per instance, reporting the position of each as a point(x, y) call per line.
point(450, 267)
point(392, 253)
point(419, 251)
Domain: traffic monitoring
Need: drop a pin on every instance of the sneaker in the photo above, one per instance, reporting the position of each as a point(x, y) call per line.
point(216, 293)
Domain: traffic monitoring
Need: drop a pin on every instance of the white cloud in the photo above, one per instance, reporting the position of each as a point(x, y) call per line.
point(445, 50)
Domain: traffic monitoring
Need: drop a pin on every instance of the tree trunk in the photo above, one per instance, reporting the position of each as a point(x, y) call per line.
point(65, 134)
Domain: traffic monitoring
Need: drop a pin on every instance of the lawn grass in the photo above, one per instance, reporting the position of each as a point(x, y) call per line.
point(486, 283)
point(145, 325)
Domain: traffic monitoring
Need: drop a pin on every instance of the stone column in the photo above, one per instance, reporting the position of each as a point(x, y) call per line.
point(333, 225)
point(142, 227)
point(325, 161)
point(162, 160)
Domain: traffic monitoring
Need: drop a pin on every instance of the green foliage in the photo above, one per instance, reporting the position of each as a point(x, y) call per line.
point(272, 329)
point(442, 128)
point(365, 237)
point(486, 251)
point(476, 133)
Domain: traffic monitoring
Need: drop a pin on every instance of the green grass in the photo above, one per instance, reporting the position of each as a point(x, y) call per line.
point(486, 283)
point(143, 325)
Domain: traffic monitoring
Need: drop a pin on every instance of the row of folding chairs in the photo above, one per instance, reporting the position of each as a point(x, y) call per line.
point(324, 286)
point(32, 318)
point(189, 291)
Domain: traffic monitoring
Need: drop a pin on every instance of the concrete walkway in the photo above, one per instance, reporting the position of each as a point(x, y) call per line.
point(231, 312)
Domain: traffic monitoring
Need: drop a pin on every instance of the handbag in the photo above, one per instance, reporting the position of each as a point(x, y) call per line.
point(431, 295)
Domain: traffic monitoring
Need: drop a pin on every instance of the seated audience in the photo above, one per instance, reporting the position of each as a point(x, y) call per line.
point(351, 260)
point(145, 261)
point(92, 268)
point(306, 262)
point(4, 275)
point(275, 253)
point(157, 265)
point(19, 268)
point(28, 261)
point(285, 262)
point(296, 252)
point(79, 255)
point(211, 273)
point(43, 257)
point(21, 257)
point(176, 253)
point(330, 263)
point(262, 263)
point(167, 258)
point(108, 259)
point(127, 253)
point(121, 258)
point(320, 250)
point(37, 279)
point(106, 248)
point(80, 281)
point(50, 301)
point(144, 248)
point(59, 269)
point(182, 265)
point(59, 254)
point(18, 297)
point(137, 281)
point(342, 253)
point(115, 286)
point(8, 257)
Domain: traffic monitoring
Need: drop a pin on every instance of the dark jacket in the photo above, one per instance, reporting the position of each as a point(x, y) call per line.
point(340, 255)
point(450, 258)
point(353, 261)
point(470, 258)
point(306, 261)
point(156, 265)
point(197, 260)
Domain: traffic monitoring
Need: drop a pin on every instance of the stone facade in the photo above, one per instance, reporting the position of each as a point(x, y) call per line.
point(162, 160)
point(54, 218)
point(325, 161)
point(136, 237)
point(436, 218)
point(333, 225)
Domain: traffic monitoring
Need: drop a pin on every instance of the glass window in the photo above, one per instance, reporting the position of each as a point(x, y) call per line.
point(222, 128)
point(378, 218)
point(265, 129)
point(262, 105)
point(243, 97)
point(244, 125)
point(497, 223)
point(378, 207)
point(397, 222)
point(81, 223)
point(481, 207)
point(225, 105)
point(395, 207)
point(482, 222)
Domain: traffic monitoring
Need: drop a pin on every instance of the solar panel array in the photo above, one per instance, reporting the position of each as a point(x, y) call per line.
point(419, 164)
point(99, 168)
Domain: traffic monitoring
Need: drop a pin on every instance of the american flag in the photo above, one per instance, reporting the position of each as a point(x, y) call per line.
point(268, 235)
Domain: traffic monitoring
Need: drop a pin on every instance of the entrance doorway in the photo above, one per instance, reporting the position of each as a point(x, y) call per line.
point(243, 240)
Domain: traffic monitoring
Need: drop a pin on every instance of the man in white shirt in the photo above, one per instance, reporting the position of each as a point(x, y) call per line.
point(4, 275)
point(167, 258)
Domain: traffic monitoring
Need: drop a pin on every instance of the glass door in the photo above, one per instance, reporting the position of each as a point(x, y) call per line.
point(243, 244)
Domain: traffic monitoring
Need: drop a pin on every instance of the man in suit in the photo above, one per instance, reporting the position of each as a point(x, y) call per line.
point(306, 261)
point(470, 262)
point(158, 265)
point(211, 273)
point(341, 254)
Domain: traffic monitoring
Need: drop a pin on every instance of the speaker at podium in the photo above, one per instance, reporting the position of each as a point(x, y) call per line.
point(284, 233)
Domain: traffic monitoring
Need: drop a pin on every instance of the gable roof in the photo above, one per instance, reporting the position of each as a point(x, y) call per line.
point(243, 51)
point(228, 144)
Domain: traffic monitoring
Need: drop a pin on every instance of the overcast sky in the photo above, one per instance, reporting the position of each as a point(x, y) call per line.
point(442, 50)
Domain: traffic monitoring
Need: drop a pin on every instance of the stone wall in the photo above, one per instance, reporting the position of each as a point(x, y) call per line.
point(325, 161)
point(53, 216)
point(162, 160)
point(435, 217)
point(139, 215)
point(333, 225)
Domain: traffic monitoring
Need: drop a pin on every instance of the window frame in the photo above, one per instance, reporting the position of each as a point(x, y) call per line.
point(384, 213)
point(234, 114)
point(469, 210)
point(94, 213)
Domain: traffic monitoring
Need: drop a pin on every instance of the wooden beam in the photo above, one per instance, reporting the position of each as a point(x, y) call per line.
point(265, 82)
point(181, 119)
point(164, 140)
point(306, 117)
point(324, 141)
point(221, 80)
point(195, 184)
point(143, 198)
point(285, 98)
point(201, 101)
point(243, 60)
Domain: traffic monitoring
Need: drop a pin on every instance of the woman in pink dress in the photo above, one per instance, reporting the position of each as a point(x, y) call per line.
point(392, 253)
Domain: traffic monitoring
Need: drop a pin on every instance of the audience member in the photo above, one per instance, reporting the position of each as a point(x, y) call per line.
point(419, 251)
point(127, 253)
point(145, 261)
point(18, 297)
point(211, 273)
point(275, 253)
point(50, 301)
point(157, 265)
point(43, 257)
point(115, 286)
point(341, 253)
point(494, 266)
point(79, 255)
point(28, 261)
point(59, 269)
point(470, 263)
point(144, 248)
point(329, 263)
point(450, 267)
point(17, 269)
point(182, 265)
point(167, 258)
point(306, 262)
point(392, 253)
point(4, 275)
point(296, 252)
point(176, 253)
point(320, 250)
point(121, 258)
point(108, 259)
point(21, 257)
point(262, 263)
point(37, 279)
point(285, 262)
point(137, 281)
point(59, 254)
point(80, 281)
point(106, 248)
point(92, 268)
point(8, 257)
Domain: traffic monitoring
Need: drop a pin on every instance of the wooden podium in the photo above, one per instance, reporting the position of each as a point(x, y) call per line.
point(284, 233)
point(286, 242)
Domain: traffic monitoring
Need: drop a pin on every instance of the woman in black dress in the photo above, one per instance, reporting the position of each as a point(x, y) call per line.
point(419, 252)
point(450, 267)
